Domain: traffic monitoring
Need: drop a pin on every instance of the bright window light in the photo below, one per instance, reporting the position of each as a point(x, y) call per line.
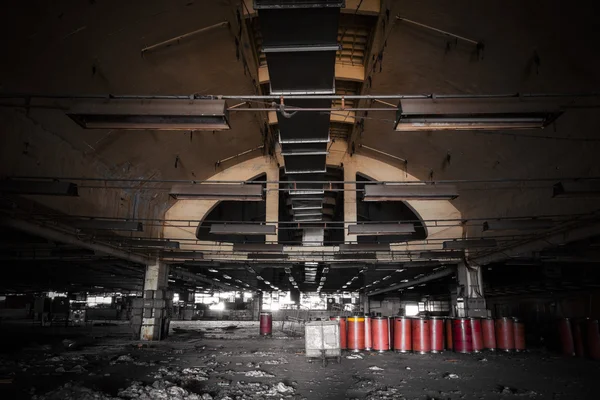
point(411, 310)
point(218, 306)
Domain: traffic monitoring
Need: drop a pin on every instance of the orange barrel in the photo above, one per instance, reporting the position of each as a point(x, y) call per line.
point(437, 334)
point(356, 333)
point(566, 337)
point(343, 331)
point(266, 323)
point(519, 329)
point(578, 338)
point(449, 343)
point(505, 334)
point(421, 335)
point(489, 334)
point(368, 337)
point(402, 334)
point(461, 335)
point(476, 336)
point(593, 339)
point(380, 333)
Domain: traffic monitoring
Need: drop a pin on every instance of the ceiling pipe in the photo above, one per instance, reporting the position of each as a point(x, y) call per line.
point(54, 235)
point(432, 277)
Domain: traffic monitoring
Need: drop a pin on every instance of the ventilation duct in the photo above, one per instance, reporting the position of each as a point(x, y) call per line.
point(410, 192)
point(46, 188)
point(207, 191)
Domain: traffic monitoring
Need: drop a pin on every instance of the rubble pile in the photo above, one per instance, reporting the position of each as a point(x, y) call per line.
point(73, 392)
point(385, 394)
point(184, 377)
point(253, 390)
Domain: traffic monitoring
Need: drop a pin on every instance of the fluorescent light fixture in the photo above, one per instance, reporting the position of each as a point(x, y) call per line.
point(226, 277)
point(154, 114)
point(306, 192)
point(473, 114)
point(359, 248)
point(442, 254)
point(469, 244)
point(577, 189)
point(404, 280)
point(242, 229)
point(187, 255)
point(517, 225)
point(150, 243)
point(400, 270)
point(344, 287)
point(212, 270)
point(410, 192)
point(258, 247)
point(44, 188)
point(207, 191)
point(260, 278)
point(267, 283)
point(380, 229)
point(109, 225)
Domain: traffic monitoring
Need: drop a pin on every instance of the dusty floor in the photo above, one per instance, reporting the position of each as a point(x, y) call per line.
point(207, 360)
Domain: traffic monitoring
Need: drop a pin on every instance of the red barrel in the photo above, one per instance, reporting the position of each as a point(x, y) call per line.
point(449, 343)
point(505, 334)
point(368, 337)
point(519, 331)
point(461, 335)
point(266, 323)
point(593, 339)
point(356, 333)
point(421, 335)
point(578, 338)
point(380, 331)
point(402, 334)
point(489, 334)
point(566, 337)
point(343, 331)
point(437, 334)
point(476, 336)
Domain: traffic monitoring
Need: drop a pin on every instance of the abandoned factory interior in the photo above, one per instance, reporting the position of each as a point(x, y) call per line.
point(299, 199)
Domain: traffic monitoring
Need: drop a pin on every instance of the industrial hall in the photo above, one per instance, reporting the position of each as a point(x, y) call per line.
point(299, 199)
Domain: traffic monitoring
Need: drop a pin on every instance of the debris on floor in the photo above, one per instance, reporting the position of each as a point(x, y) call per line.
point(355, 357)
point(259, 374)
point(375, 368)
point(451, 376)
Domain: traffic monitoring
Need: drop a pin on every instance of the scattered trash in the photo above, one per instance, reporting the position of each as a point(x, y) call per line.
point(69, 344)
point(60, 370)
point(450, 376)
point(408, 368)
point(375, 368)
point(282, 388)
point(55, 359)
point(355, 357)
point(483, 360)
point(78, 369)
point(279, 361)
point(259, 374)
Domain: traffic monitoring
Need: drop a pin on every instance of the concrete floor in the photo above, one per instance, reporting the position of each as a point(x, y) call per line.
point(209, 359)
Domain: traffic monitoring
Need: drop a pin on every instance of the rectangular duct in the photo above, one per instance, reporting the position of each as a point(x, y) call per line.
point(185, 255)
point(359, 247)
point(242, 229)
point(150, 243)
point(45, 188)
point(156, 114)
point(110, 225)
point(410, 192)
point(380, 229)
point(258, 247)
point(207, 191)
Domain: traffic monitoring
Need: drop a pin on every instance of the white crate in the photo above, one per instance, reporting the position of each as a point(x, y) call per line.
point(322, 339)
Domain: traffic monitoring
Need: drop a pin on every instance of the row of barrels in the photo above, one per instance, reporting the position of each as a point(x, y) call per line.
point(579, 337)
point(430, 335)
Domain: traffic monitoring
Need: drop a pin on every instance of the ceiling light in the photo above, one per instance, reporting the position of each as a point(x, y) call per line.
point(577, 189)
point(404, 280)
point(260, 278)
point(400, 270)
point(206, 191)
point(46, 188)
point(216, 279)
point(155, 114)
point(410, 287)
point(267, 283)
point(472, 114)
point(380, 229)
point(226, 277)
point(344, 287)
point(469, 243)
point(410, 192)
point(258, 247)
point(325, 270)
point(351, 248)
point(517, 225)
point(385, 278)
point(242, 229)
point(376, 282)
point(442, 254)
point(212, 270)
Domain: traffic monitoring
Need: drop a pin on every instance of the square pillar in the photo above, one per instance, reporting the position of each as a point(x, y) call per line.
point(350, 209)
point(272, 202)
point(157, 301)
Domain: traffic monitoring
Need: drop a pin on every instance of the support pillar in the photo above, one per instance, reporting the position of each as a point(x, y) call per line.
point(350, 209)
point(468, 299)
point(272, 202)
point(157, 302)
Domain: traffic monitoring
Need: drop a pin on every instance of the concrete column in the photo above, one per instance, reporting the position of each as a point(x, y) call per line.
point(468, 300)
point(155, 317)
point(272, 201)
point(350, 210)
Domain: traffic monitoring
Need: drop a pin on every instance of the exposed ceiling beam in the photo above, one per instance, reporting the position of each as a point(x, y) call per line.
point(431, 277)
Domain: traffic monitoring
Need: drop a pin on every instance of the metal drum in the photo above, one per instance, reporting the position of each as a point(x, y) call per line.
point(449, 342)
point(356, 333)
point(437, 334)
point(343, 331)
point(402, 334)
point(578, 338)
point(566, 337)
point(476, 336)
point(593, 339)
point(519, 329)
point(380, 330)
point(266, 323)
point(505, 334)
point(368, 337)
point(421, 335)
point(489, 334)
point(461, 335)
